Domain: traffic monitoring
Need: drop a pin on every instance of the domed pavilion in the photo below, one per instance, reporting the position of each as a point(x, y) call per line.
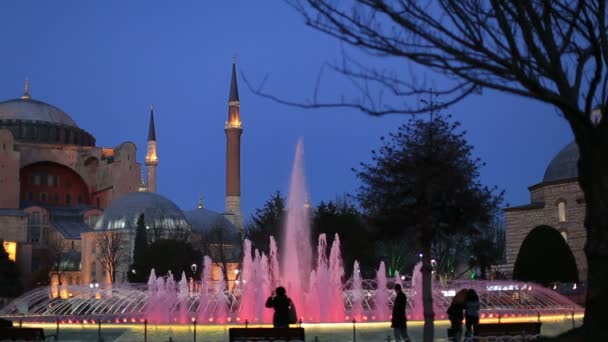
point(556, 202)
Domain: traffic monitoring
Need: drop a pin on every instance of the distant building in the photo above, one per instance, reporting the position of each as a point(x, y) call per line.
point(558, 202)
point(58, 189)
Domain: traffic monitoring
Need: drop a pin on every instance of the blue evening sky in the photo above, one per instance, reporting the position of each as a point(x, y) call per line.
point(105, 62)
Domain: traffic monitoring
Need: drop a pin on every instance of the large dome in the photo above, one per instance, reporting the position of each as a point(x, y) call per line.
point(159, 213)
point(27, 109)
point(204, 221)
point(564, 165)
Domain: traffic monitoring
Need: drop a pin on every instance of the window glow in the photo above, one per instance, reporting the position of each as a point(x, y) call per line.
point(561, 211)
point(11, 250)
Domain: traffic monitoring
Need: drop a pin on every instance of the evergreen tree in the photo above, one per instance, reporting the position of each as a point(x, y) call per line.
point(138, 272)
point(423, 183)
point(266, 222)
point(10, 284)
point(342, 218)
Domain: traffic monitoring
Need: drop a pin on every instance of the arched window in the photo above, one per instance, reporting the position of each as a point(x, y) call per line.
point(561, 211)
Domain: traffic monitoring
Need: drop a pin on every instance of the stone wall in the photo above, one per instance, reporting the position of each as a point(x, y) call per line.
point(519, 221)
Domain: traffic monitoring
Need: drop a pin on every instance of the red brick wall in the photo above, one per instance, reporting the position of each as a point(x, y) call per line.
point(52, 184)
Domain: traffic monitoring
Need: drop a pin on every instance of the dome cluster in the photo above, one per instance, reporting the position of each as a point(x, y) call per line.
point(161, 215)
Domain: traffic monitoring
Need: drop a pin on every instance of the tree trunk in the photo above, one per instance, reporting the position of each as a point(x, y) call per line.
point(593, 179)
point(427, 290)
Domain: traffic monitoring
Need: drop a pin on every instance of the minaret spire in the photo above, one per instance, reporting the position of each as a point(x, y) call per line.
point(234, 87)
point(26, 90)
point(200, 201)
point(233, 130)
point(151, 129)
point(151, 156)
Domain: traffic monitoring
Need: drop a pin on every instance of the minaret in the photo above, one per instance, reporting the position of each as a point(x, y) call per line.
point(233, 131)
point(151, 157)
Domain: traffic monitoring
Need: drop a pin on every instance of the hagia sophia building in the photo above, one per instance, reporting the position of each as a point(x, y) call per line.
point(58, 190)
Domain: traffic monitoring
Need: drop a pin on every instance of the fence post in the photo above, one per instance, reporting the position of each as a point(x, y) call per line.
point(145, 330)
point(246, 324)
point(194, 322)
point(99, 331)
point(354, 330)
point(20, 323)
point(316, 338)
point(57, 331)
point(538, 316)
point(572, 319)
point(498, 318)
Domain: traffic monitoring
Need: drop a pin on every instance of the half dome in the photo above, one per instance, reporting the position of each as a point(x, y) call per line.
point(159, 212)
point(564, 165)
point(204, 221)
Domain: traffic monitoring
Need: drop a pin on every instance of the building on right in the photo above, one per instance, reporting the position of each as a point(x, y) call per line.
point(557, 205)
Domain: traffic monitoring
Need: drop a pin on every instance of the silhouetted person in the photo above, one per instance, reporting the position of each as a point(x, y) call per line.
point(398, 319)
point(280, 302)
point(471, 312)
point(456, 315)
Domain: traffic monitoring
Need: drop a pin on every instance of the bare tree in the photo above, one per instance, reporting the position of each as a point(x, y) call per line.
point(112, 251)
point(222, 244)
point(555, 52)
point(58, 258)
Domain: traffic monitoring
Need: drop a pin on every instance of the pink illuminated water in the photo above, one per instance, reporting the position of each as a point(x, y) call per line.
point(296, 261)
point(416, 293)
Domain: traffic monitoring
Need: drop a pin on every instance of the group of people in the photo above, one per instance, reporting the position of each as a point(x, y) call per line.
point(284, 308)
point(464, 306)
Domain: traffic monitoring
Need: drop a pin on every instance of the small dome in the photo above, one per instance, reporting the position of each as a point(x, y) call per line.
point(159, 213)
point(564, 165)
point(27, 109)
point(204, 221)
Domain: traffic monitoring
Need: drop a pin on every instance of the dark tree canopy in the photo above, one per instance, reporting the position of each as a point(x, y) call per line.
point(544, 257)
point(176, 256)
point(423, 183)
point(426, 167)
point(137, 272)
point(267, 221)
point(10, 284)
point(344, 219)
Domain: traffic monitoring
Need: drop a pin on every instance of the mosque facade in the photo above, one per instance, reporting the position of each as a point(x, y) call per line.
point(59, 192)
point(557, 202)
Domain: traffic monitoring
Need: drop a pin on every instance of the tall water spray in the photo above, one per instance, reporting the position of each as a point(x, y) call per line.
point(417, 307)
point(296, 258)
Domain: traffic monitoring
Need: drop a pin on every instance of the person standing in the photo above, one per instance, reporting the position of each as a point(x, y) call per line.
point(280, 303)
point(456, 315)
point(398, 319)
point(471, 313)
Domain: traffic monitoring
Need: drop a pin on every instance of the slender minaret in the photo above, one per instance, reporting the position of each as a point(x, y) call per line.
point(233, 131)
point(151, 157)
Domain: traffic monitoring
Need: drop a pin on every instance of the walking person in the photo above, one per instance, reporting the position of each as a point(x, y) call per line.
point(471, 313)
point(398, 319)
point(456, 315)
point(280, 303)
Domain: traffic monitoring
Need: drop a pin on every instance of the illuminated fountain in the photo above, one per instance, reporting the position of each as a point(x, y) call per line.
point(320, 292)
